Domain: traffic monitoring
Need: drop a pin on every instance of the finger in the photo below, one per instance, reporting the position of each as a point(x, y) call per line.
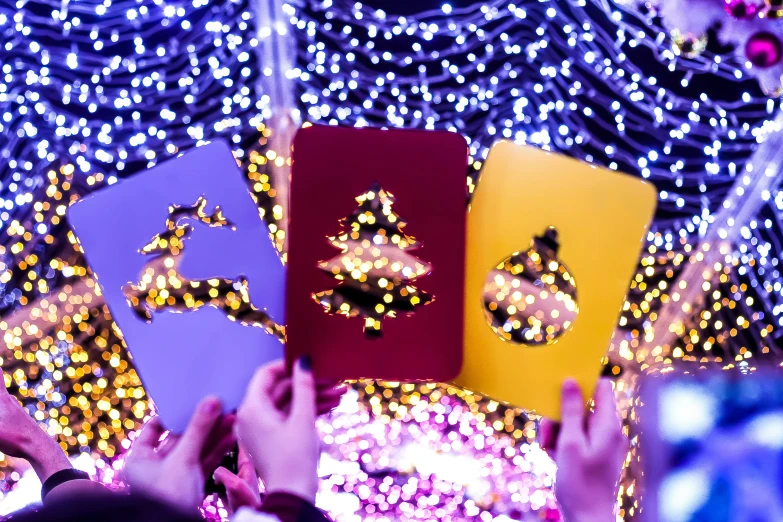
point(324, 382)
point(604, 426)
point(548, 431)
point(218, 452)
point(224, 477)
point(326, 390)
point(265, 381)
point(149, 436)
point(322, 407)
point(333, 392)
point(230, 482)
point(281, 394)
point(193, 440)
point(303, 402)
point(240, 494)
point(221, 429)
point(221, 441)
point(573, 415)
point(245, 468)
point(329, 400)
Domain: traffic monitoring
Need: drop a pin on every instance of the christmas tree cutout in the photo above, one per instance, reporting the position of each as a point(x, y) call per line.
point(375, 269)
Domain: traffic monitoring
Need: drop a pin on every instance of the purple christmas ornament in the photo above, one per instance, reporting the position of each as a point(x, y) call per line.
point(742, 9)
point(764, 49)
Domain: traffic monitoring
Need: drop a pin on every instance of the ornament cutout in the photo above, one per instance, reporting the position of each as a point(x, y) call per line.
point(530, 297)
point(601, 218)
point(162, 288)
point(375, 270)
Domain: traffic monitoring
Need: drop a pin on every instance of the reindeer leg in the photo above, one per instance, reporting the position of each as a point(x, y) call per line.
point(249, 315)
point(139, 306)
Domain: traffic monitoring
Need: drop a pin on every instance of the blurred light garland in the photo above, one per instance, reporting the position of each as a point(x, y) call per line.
point(88, 92)
point(84, 113)
point(592, 79)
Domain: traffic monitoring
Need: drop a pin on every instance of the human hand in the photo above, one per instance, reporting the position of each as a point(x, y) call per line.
point(242, 488)
point(588, 452)
point(174, 470)
point(328, 394)
point(22, 437)
point(282, 441)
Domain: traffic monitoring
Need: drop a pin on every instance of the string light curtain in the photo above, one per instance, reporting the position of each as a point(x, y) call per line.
point(597, 81)
point(90, 92)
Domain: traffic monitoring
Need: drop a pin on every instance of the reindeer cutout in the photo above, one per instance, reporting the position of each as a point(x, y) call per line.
point(161, 288)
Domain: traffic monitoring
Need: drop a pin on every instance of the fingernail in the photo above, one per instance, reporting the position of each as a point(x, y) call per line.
point(570, 385)
point(210, 405)
point(305, 363)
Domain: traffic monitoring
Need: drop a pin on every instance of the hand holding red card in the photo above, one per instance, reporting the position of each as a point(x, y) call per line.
point(377, 242)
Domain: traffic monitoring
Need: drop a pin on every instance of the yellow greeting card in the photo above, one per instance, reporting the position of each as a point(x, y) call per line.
point(552, 246)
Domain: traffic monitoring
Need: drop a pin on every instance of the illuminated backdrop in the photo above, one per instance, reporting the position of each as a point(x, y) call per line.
point(92, 91)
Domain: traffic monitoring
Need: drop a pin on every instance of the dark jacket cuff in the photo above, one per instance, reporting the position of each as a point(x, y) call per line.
point(291, 508)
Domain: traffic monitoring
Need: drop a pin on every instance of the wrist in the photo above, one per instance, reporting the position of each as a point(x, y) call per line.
point(304, 489)
point(47, 458)
point(60, 481)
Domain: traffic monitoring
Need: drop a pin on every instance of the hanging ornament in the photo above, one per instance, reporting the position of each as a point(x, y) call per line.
point(688, 44)
point(774, 9)
point(775, 93)
point(530, 297)
point(764, 49)
point(742, 9)
point(749, 29)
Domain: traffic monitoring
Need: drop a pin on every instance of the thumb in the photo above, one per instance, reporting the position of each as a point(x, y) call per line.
point(225, 478)
point(191, 445)
point(304, 395)
point(548, 431)
point(239, 493)
point(572, 407)
point(149, 436)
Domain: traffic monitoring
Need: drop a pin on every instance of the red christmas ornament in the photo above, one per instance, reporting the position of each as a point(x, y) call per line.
point(764, 49)
point(742, 9)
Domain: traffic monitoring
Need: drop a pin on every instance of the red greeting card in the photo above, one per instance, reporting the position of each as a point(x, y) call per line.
point(377, 253)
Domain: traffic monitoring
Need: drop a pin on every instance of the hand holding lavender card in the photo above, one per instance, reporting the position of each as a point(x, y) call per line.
point(190, 276)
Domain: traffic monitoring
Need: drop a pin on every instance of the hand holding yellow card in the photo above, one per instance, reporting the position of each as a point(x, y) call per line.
point(556, 242)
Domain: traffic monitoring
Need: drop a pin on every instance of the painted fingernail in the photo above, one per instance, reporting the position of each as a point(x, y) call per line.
point(570, 385)
point(305, 363)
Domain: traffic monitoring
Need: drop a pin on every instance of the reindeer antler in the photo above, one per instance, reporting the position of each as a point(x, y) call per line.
point(177, 231)
point(196, 211)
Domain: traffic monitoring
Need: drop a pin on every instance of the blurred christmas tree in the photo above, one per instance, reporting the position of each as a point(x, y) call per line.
point(375, 269)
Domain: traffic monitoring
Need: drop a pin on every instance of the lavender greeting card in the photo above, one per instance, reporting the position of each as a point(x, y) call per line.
point(190, 276)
